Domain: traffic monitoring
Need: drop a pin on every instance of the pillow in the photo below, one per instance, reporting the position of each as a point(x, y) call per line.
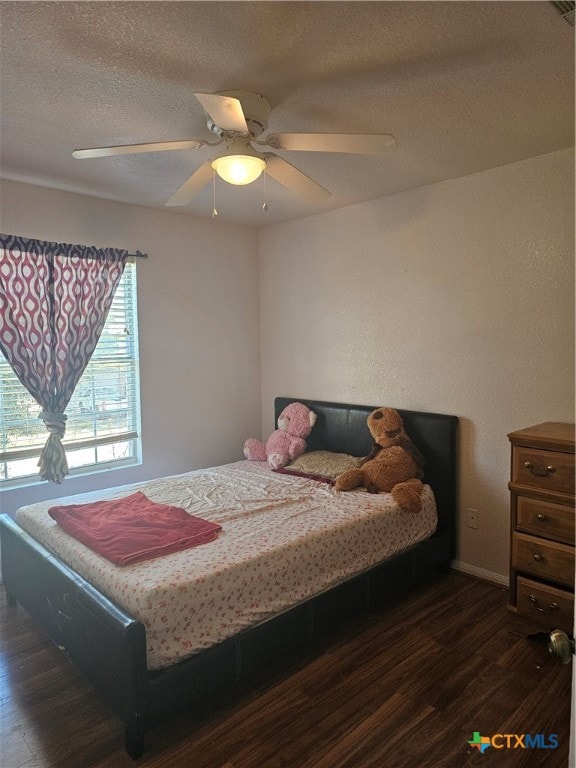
point(321, 465)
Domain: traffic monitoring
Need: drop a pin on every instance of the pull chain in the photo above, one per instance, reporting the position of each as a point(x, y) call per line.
point(214, 211)
point(265, 204)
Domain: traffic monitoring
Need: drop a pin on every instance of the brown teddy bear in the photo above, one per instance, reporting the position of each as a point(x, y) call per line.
point(394, 464)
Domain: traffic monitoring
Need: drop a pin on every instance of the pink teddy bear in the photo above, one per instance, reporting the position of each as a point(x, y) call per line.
point(287, 442)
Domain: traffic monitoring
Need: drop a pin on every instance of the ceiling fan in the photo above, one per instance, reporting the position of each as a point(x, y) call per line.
point(238, 119)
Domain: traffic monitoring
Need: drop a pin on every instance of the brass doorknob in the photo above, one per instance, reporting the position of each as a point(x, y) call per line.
point(561, 646)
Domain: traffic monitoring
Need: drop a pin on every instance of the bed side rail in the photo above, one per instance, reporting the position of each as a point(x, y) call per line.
point(106, 644)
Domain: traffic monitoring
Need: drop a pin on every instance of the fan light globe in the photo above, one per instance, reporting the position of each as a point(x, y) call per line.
point(239, 169)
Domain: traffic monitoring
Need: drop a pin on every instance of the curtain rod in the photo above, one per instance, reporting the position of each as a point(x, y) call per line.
point(138, 255)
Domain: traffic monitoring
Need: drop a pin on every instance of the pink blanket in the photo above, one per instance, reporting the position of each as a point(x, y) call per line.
point(133, 528)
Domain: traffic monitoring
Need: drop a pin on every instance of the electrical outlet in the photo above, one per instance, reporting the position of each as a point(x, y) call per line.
point(473, 518)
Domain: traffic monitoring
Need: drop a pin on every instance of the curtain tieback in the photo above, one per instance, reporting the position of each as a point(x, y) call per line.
point(52, 463)
point(55, 422)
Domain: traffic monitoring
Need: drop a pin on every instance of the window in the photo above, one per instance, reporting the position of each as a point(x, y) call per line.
point(103, 414)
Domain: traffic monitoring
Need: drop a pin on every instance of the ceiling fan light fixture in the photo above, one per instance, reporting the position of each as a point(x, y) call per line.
point(239, 169)
point(238, 118)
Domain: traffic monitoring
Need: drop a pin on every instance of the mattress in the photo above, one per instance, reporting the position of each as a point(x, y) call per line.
point(284, 539)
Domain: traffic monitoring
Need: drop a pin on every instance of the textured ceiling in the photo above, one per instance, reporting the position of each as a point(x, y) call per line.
point(463, 86)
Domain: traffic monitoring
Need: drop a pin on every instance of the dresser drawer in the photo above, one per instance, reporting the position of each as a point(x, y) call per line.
point(545, 605)
point(543, 518)
point(544, 559)
point(545, 470)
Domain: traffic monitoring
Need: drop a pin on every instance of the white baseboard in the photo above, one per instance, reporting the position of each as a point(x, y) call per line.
point(481, 573)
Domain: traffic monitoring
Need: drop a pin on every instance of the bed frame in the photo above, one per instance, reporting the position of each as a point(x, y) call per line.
point(109, 646)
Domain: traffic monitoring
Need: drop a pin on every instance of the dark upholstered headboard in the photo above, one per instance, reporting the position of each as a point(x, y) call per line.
point(342, 427)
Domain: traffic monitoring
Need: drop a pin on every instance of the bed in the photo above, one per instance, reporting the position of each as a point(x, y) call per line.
point(143, 674)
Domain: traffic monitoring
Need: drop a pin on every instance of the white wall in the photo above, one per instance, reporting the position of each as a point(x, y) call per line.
point(198, 323)
point(454, 298)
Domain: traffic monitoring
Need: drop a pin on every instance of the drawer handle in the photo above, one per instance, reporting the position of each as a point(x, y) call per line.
point(539, 470)
point(538, 557)
point(551, 607)
point(542, 516)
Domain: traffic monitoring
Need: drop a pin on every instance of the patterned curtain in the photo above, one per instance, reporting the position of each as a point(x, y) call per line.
point(54, 299)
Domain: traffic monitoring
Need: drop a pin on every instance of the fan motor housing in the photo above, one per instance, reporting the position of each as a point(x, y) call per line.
point(256, 111)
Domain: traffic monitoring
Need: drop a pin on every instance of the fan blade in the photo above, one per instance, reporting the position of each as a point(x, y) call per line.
point(195, 183)
point(355, 143)
point(295, 180)
point(129, 149)
point(225, 111)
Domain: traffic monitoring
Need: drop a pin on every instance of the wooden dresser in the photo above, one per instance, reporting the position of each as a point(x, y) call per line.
point(542, 526)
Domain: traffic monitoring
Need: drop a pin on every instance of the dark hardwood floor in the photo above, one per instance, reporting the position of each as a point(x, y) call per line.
point(403, 689)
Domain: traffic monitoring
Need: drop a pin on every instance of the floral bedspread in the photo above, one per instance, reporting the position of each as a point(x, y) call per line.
point(283, 540)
